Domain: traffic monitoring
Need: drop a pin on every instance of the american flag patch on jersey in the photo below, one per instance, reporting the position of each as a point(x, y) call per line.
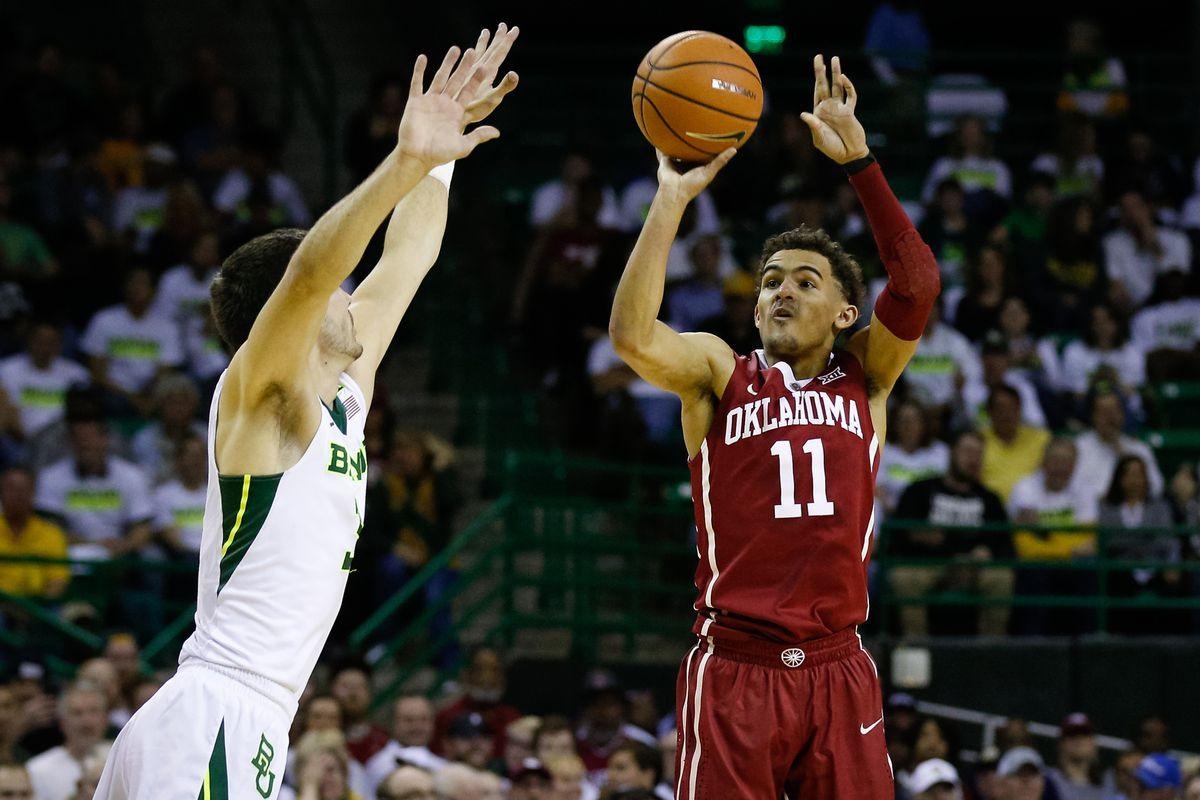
point(352, 406)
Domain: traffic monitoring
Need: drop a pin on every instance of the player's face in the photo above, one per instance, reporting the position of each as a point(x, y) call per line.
point(338, 337)
point(800, 304)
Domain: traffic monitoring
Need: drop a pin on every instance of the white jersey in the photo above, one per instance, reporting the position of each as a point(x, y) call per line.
point(276, 550)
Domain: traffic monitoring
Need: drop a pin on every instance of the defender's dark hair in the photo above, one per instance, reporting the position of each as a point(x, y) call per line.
point(645, 756)
point(246, 280)
point(846, 270)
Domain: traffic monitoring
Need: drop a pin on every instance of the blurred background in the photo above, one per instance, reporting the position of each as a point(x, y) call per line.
point(524, 581)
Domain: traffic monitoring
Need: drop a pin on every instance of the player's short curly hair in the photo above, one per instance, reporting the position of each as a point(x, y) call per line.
point(247, 279)
point(846, 270)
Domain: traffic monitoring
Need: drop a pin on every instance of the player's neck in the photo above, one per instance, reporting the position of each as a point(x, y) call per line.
point(328, 369)
point(804, 365)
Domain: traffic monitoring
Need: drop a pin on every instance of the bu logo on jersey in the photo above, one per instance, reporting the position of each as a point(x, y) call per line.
point(792, 657)
point(262, 762)
point(341, 463)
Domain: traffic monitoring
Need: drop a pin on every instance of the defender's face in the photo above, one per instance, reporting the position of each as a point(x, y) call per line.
point(800, 304)
point(338, 337)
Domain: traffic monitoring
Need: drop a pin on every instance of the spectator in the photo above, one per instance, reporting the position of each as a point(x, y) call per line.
point(1159, 777)
point(1021, 773)
point(912, 456)
point(138, 211)
point(322, 712)
point(1143, 166)
point(130, 347)
point(484, 684)
point(568, 779)
point(259, 165)
point(531, 781)
point(735, 324)
point(93, 768)
point(1105, 352)
point(1012, 448)
point(24, 256)
point(934, 737)
point(636, 418)
point(1072, 278)
point(371, 131)
point(1000, 368)
point(323, 768)
point(898, 43)
point(212, 145)
point(1076, 164)
point(103, 501)
point(988, 284)
point(553, 738)
point(40, 729)
point(157, 445)
point(1035, 361)
point(122, 651)
point(1128, 506)
point(700, 295)
point(185, 217)
point(1120, 782)
point(36, 381)
point(412, 732)
point(460, 782)
point(1167, 331)
point(1191, 789)
point(82, 717)
point(1153, 735)
point(1077, 775)
point(350, 684)
point(100, 672)
point(1025, 231)
point(469, 740)
point(518, 743)
point(604, 725)
point(945, 363)
point(955, 499)
point(408, 783)
point(935, 779)
point(668, 747)
point(183, 290)
point(24, 533)
point(1105, 442)
point(635, 203)
point(181, 498)
point(207, 357)
point(11, 725)
point(986, 179)
point(953, 237)
point(1139, 250)
point(1046, 498)
point(560, 199)
point(633, 765)
point(1093, 83)
point(15, 783)
point(119, 158)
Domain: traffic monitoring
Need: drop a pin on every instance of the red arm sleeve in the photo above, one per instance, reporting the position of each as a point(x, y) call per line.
point(914, 281)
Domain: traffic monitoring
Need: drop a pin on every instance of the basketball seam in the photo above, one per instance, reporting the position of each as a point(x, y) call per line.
point(697, 102)
point(667, 125)
point(722, 63)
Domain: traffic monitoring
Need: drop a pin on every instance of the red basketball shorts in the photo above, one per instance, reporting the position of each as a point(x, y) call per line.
point(760, 721)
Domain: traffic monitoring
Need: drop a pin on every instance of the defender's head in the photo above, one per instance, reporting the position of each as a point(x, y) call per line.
point(249, 276)
point(809, 292)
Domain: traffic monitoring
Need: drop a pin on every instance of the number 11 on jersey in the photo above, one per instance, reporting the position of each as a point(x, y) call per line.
point(788, 508)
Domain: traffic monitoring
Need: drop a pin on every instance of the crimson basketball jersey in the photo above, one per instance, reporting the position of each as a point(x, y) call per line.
point(783, 489)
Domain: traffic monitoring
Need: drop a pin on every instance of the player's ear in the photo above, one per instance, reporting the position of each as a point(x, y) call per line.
point(845, 318)
point(757, 315)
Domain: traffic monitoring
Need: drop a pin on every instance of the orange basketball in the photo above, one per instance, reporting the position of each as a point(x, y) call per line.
point(695, 94)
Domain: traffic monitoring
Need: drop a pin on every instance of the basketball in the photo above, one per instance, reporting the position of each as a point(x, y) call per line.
point(697, 93)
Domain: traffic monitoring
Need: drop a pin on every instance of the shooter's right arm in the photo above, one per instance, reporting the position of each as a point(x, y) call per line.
point(684, 364)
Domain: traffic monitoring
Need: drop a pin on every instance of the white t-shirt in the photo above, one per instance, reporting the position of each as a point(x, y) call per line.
point(1072, 505)
point(155, 453)
point(603, 356)
point(394, 754)
point(96, 507)
point(1174, 325)
point(1080, 361)
point(183, 509)
point(635, 204)
point(1136, 269)
point(139, 209)
point(180, 295)
point(1088, 172)
point(548, 199)
point(1096, 462)
point(55, 773)
point(973, 172)
point(940, 354)
point(898, 468)
point(135, 347)
point(39, 394)
point(975, 395)
point(206, 356)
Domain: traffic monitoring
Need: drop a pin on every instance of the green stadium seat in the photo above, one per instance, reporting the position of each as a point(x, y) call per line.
point(1173, 404)
point(1174, 446)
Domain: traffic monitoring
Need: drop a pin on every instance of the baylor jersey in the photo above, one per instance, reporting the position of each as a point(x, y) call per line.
point(277, 549)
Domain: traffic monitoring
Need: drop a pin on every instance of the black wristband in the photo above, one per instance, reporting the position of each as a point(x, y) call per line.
point(859, 164)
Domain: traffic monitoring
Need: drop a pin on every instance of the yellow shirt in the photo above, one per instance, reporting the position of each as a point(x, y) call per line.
point(40, 538)
point(1006, 463)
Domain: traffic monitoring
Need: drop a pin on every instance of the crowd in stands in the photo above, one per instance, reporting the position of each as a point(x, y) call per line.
point(1070, 293)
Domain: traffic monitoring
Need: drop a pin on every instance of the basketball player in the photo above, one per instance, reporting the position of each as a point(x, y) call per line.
point(286, 444)
point(778, 695)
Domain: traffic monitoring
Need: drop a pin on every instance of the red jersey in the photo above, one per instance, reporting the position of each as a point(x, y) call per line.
point(783, 489)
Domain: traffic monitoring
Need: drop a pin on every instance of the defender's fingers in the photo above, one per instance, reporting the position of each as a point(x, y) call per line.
point(417, 84)
point(821, 82)
point(836, 89)
point(466, 69)
point(442, 76)
point(851, 92)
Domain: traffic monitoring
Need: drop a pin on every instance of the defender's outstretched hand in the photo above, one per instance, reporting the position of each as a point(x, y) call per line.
point(459, 94)
point(836, 131)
